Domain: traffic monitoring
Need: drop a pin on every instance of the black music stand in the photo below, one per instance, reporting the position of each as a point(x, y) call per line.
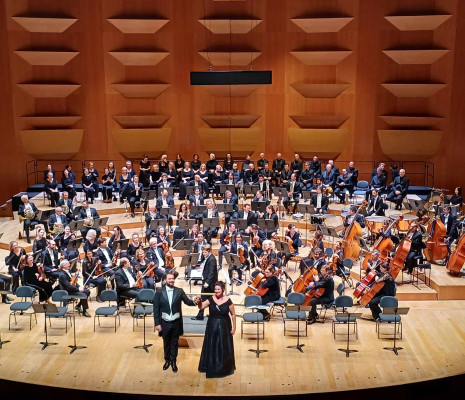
point(224, 187)
point(282, 247)
point(259, 206)
point(36, 256)
point(298, 308)
point(123, 245)
point(280, 191)
point(332, 233)
point(306, 194)
point(348, 315)
point(183, 244)
point(395, 311)
point(250, 189)
point(186, 224)
point(45, 215)
point(211, 223)
point(76, 226)
point(165, 211)
point(3, 291)
point(73, 264)
point(306, 210)
point(257, 351)
point(266, 225)
point(76, 211)
point(146, 345)
point(74, 245)
point(225, 208)
point(44, 309)
point(73, 298)
point(156, 223)
point(241, 224)
point(148, 195)
point(232, 260)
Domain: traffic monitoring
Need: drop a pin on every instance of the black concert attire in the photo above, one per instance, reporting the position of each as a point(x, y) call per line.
point(343, 187)
point(315, 167)
point(30, 279)
point(228, 165)
point(144, 173)
point(285, 177)
point(251, 217)
point(196, 201)
point(277, 167)
point(353, 173)
point(320, 202)
point(210, 277)
point(217, 178)
point(274, 217)
point(326, 298)
point(88, 187)
point(39, 245)
point(88, 246)
point(296, 167)
point(30, 223)
point(376, 206)
point(223, 249)
point(359, 218)
point(329, 178)
point(124, 279)
point(401, 185)
point(5, 284)
point(153, 255)
point(135, 193)
point(450, 223)
point(389, 289)
point(124, 188)
point(295, 188)
point(163, 166)
point(50, 188)
point(166, 202)
point(67, 185)
point(186, 177)
point(92, 213)
point(234, 201)
point(65, 284)
point(195, 165)
point(88, 270)
point(208, 233)
point(306, 179)
point(94, 173)
point(296, 243)
point(245, 264)
point(51, 261)
point(69, 204)
point(273, 293)
point(13, 262)
point(415, 250)
point(148, 281)
point(258, 250)
point(378, 182)
point(107, 187)
point(155, 178)
point(178, 232)
point(204, 178)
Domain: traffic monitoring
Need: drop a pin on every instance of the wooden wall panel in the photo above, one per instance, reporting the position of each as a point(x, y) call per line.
point(96, 102)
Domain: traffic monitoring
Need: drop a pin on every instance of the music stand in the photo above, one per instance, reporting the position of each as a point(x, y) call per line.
point(44, 309)
point(196, 210)
point(45, 215)
point(280, 191)
point(211, 223)
point(250, 189)
point(165, 211)
point(257, 351)
point(3, 291)
point(363, 244)
point(183, 244)
point(306, 194)
point(156, 223)
point(146, 345)
point(148, 195)
point(298, 308)
point(74, 245)
point(224, 187)
point(332, 233)
point(266, 225)
point(76, 226)
point(123, 245)
point(225, 207)
point(73, 298)
point(73, 264)
point(36, 256)
point(416, 205)
point(306, 209)
point(232, 260)
point(395, 311)
point(76, 211)
point(241, 224)
point(259, 206)
point(191, 189)
point(100, 222)
point(186, 224)
point(282, 247)
point(348, 315)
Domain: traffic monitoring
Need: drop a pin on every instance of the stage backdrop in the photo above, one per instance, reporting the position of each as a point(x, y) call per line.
point(352, 79)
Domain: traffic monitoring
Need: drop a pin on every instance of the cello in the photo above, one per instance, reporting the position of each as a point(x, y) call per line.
point(457, 258)
point(303, 281)
point(351, 247)
point(436, 248)
point(169, 260)
point(254, 285)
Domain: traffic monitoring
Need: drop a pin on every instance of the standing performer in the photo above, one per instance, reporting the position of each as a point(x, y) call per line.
point(209, 274)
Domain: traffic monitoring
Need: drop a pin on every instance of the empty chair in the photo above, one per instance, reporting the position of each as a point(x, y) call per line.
point(140, 311)
point(108, 311)
point(361, 189)
point(253, 317)
point(26, 293)
point(57, 296)
point(389, 302)
point(295, 299)
point(342, 303)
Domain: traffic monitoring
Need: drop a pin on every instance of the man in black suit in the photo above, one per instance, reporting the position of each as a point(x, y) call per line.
point(450, 222)
point(210, 212)
point(398, 189)
point(353, 173)
point(352, 215)
point(51, 261)
point(30, 208)
point(165, 201)
point(197, 183)
point(230, 198)
point(87, 212)
point(329, 176)
point(250, 175)
point(66, 201)
point(248, 215)
point(57, 218)
point(164, 183)
point(209, 274)
point(226, 239)
point(343, 186)
point(294, 189)
point(151, 215)
point(125, 281)
point(105, 255)
point(306, 177)
point(376, 204)
point(378, 182)
point(315, 167)
point(167, 313)
point(320, 201)
point(285, 176)
point(325, 282)
point(135, 193)
point(65, 284)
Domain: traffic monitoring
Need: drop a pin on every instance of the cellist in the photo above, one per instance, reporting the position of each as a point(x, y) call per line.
point(374, 262)
point(450, 223)
point(323, 281)
point(358, 218)
point(415, 249)
point(292, 237)
point(273, 293)
point(389, 289)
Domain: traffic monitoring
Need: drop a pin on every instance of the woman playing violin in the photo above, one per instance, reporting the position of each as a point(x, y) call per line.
point(35, 279)
point(387, 290)
point(140, 263)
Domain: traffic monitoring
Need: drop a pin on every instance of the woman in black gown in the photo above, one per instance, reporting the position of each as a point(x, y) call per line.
point(217, 358)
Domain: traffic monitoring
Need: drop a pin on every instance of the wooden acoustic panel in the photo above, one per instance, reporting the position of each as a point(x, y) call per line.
point(51, 121)
point(45, 25)
point(327, 143)
point(58, 58)
point(230, 58)
point(141, 90)
point(56, 144)
point(128, 25)
point(321, 57)
point(221, 141)
point(423, 90)
point(320, 90)
point(141, 121)
point(227, 121)
point(48, 90)
point(409, 144)
point(411, 121)
point(415, 56)
point(417, 22)
point(231, 90)
point(229, 26)
point(319, 121)
point(321, 25)
point(131, 143)
point(137, 58)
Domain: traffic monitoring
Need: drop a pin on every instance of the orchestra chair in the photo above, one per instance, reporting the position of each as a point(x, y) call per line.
point(26, 293)
point(341, 304)
point(57, 296)
point(360, 190)
point(295, 299)
point(347, 265)
point(278, 303)
point(389, 302)
point(297, 259)
point(323, 308)
point(108, 311)
point(424, 268)
point(144, 296)
point(253, 317)
point(329, 252)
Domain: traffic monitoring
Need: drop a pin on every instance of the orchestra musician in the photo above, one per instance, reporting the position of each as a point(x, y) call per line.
point(339, 253)
point(164, 183)
point(35, 280)
point(57, 222)
point(91, 241)
point(318, 241)
point(273, 293)
point(199, 186)
point(319, 259)
point(125, 281)
point(68, 184)
point(151, 215)
point(293, 236)
point(246, 213)
point(30, 213)
point(199, 241)
point(456, 199)
point(153, 255)
point(196, 200)
point(271, 214)
point(323, 281)
point(285, 175)
point(376, 205)
point(182, 215)
point(358, 218)
point(230, 198)
point(294, 189)
point(237, 247)
point(398, 189)
point(374, 262)
point(450, 223)
point(162, 238)
point(51, 261)
point(277, 167)
point(64, 241)
point(107, 186)
point(66, 204)
point(259, 197)
point(51, 189)
point(263, 185)
point(306, 177)
point(65, 284)
point(40, 242)
point(267, 176)
point(237, 176)
point(210, 212)
point(89, 215)
point(209, 274)
point(135, 193)
point(140, 263)
point(320, 201)
point(134, 246)
point(378, 183)
point(106, 257)
point(186, 177)
point(89, 274)
point(343, 187)
point(226, 239)
point(415, 250)
point(389, 289)
point(257, 237)
point(166, 202)
point(13, 260)
point(269, 253)
point(124, 180)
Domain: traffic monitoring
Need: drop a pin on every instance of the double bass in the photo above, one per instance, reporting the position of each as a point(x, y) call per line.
point(457, 258)
point(436, 248)
point(350, 244)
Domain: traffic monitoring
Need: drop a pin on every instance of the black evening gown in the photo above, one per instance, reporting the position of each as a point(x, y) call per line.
point(217, 358)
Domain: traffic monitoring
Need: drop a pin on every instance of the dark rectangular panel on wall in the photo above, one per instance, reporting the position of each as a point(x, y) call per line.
point(231, 78)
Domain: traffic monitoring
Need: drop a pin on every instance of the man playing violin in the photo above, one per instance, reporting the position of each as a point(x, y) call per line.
point(89, 273)
point(323, 281)
point(257, 237)
point(82, 292)
point(292, 237)
point(126, 283)
point(226, 240)
point(240, 248)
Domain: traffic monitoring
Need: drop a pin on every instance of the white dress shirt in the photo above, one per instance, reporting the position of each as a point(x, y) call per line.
point(130, 277)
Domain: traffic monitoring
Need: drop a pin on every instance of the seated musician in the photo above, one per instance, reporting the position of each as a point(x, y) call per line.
point(285, 175)
point(359, 218)
point(216, 179)
point(135, 193)
point(105, 255)
point(415, 249)
point(124, 180)
point(376, 205)
point(5, 284)
point(29, 212)
point(343, 187)
point(239, 248)
point(64, 241)
point(450, 223)
point(263, 185)
point(199, 241)
point(65, 284)
point(210, 212)
point(374, 262)
point(246, 213)
point(182, 215)
point(325, 281)
point(140, 263)
point(90, 275)
point(134, 246)
point(398, 189)
point(164, 183)
point(378, 183)
point(117, 235)
point(226, 239)
point(125, 281)
point(306, 177)
point(389, 289)
point(320, 201)
point(166, 202)
point(33, 278)
point(257, 237)
point(229, 179)
point(456, 199)
point(68, 184)
point(307, 262)
point(196, 200)
point(151, 215)
point(57, 222)
point(339, 253)
point(271, 283)
point(107, 186)
point(297, 165)
point(88, 214)
point(51, 261)
point(267, 176)
point(319, 259)
point(66, 205)
point(318, 241)
point(87, 182)
point(198, 185)
point(40, 243)
point(91, 241)
point(239, 182)
point(292, 237)
point(315, 166)
point(268, 256)
point(51, 188)
point(270, 214)
point(13, 260)
point(153, 255)
point(186, 177)
point(259, 197)
point(162, 239)
point(155, 177)
point(277, 167)
point(230, 198)
point(328, 177)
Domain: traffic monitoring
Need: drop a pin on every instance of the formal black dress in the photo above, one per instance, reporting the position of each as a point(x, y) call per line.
point(217, 358)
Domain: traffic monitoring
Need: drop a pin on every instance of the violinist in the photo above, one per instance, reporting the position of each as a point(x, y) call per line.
point(240, 248)
point(210, 212)
point(450, 223)
point(51, 261)
point(140, 263)
point(352, 214)
point(268, 256)
point(89, 273)
point(389, 289)
point(33, 278)
point(125, 281)
point(292, 237)
point(257, 236)
point(134, 246)
point(415, 249)
point(105, 255)
point(376, 205)
point(40, 242)
point(182, 215)
point(13, 260)
point(323, 281)
point(247, 214)
point(162, 240)
point(226, 239)
point(151, 215)
point(153, 255)
point(271, 214)
point(117, 235)
point(397, 190)
point(196, 200)
point(229, 198)
point(65, 284)
point(273, 293)
point(64, 242)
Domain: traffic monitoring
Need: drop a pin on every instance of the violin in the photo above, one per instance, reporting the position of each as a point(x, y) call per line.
point(115, 257)
point(139, 281)
point(333, 263)
point(227, 238)
point(256, 242)
point(41, 271)
point(74, 279)
point(350, 244)
point(98, 268)
point(457, 258)
point(240, 251)
point(436, 248)
point(169, 260)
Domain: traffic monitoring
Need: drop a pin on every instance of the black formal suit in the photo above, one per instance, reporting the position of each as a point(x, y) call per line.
point(401, 185)
point(169, 201)
point(415, 250)
point(51, 262)
point(149, 218)
point(378, 182)
point(210, 277)
point(324, 203)
point(376, 206)
point(233, 214)
point(327, 297)
point(135, 195)
point(296, 193)
point(210, 232)
point(54, 218)
point(252, 217)
point(83, 215)
point(306, 178)
point(30, 223)
point(315, 166)
point(329, 179)
point(122, 284)
point(343, 184)
point(250, 177)
point(170, 330)
point(64, 280)
point(451, 226)
point(358, 218)
point(285, 177)
point(69, 203)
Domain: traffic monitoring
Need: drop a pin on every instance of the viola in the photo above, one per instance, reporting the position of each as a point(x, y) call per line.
point(41, 271)
point(150, 270)
point(350, 244)
point(457, 258)
point(115, 257)
point(139, 281)
point(240, 251)
point(436, 248)
point(169, 260)
point(227, 238)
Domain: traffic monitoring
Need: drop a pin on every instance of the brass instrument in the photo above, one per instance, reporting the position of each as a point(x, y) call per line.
point(328, 191)
point(28, 214)
point(89, 222)
point(65, 209)
point(59, 228)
